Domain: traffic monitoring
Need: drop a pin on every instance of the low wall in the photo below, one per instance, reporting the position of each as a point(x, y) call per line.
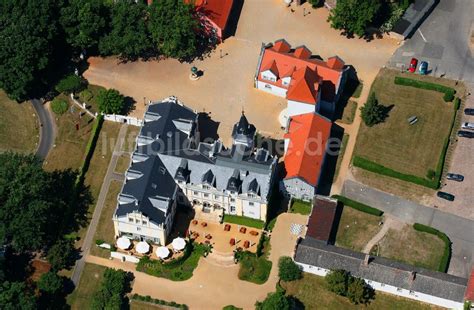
point(125, 257)
point(123, 119)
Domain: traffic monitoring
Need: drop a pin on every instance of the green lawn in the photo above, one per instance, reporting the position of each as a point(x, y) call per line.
point(105, 228)
point(410, 149)
point(300, 207)
point(254, 269)
point(349, 112)
point(342, 150)
point(412, 247)
point(123, 163)
point(19, 131)
point(356, 228)
point(312, 292)
point(129, 143)
point(179, 270)
point(245, 221)
point(91, 278)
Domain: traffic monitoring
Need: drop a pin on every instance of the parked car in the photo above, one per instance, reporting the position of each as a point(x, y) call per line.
point(455, 177)
point(467, 125)
point(469, 111)
point(465, 134)
point(423, 69)
point(445, 195)
point(413, 64)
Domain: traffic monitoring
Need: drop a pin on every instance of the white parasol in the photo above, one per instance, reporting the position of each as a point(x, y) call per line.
point(178, 244)
point(123, 243)
point(162, 252)
point(142, 247)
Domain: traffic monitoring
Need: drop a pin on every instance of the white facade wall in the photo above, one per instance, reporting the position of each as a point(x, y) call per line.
point(297, 108)
point(392, 289)
point(269, 88)
point(123, 119)
point(251, 209)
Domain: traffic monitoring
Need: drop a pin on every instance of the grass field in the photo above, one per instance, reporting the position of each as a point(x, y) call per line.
point(91, 278)
point(140, 305)
point(123, 163)
point(18, 126)
point(349, 112)
point(70, 144)
point(129, 143)
point(105, 228)
point(413, 247)
point(410, 149)
point(356, 228)
point(300, 207)
point(312, 292)
point(242, 220)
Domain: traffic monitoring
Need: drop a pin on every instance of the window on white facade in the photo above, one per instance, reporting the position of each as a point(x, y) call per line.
point(412, 293)
point(196, 193)
point(232, 209)
point(206, 195)
point(399, 289)
point(216, 197)
point(250, 203)
point(130, 219)
point(251, 195)
point(137, 221)
point(144, 222)
point(205, 186)
point(139, 229)
point(268, 86)
point(232, 199)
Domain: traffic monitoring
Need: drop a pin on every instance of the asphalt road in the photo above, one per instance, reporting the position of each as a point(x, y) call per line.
point(459, 230)
point(47, 131)
point(442, 40)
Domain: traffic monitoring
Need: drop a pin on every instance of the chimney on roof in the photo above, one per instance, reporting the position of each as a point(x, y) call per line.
point(366, 260)
point(412, 276)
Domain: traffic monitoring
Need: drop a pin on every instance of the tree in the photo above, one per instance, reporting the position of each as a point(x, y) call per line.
point(61, 255)
point(110, 101)
point(71, 84)
point(276, 300)
point(84, 22)
point(50, 283)
point(354, 16)
point(59, 106)
point(28, 31)
point(337, 281)
point(129, 36)
point(174, 28)
point(372, 112)
point(15, 295)
point(288, 270)
point(112, 290)
point(358, 291)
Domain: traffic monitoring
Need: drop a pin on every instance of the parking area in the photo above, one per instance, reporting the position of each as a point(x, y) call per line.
point(226, 86)
point(443, 41)
point(462, 163)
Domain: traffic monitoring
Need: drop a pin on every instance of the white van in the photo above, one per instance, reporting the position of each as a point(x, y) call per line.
point(467, 125)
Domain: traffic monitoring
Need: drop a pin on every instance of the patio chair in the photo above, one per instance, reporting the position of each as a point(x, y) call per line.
point(243, 230)
point(232, 241)
point(194, 222)
point(203, 224)
point(246, 244)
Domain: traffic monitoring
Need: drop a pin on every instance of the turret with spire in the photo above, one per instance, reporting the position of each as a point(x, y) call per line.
point(243, 132)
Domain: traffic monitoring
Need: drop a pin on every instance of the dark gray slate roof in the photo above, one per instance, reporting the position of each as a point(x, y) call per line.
point(413, 17)
point(315, 253)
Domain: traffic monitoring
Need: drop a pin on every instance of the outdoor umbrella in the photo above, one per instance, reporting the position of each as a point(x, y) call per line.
point(178, 244)
point(142, 247)
point(123, 243)
point(162, 252)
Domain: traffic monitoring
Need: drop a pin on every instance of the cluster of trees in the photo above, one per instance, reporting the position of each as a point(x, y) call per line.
point(372, 112)
point(114, 286)
point(355, 16)
point(63, 29)
point(37, 209)
point(343, 283)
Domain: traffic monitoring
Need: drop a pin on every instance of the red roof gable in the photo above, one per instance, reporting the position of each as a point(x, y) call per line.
point(320, 222)
point(272, 67)
point(469, 295)
point(304, 86)
point(286, 60)
point(308, 135)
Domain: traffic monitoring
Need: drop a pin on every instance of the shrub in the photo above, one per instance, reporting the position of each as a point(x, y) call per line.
point(449, 95)
point(457, 103)
point(110, 101)
point(358, 291)
point(99, 242)
point(372, 112)
point(274, 301)
point(59, 106)
point(71, 84)
point(444, 264)
point(358, 206)
point(423, 85)
point(85, 95)
point(261, 244)
point(90, 147)
point(337, 281)
point(288, 270)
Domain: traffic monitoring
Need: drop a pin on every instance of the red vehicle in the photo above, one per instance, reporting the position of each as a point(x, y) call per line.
point(413, 64)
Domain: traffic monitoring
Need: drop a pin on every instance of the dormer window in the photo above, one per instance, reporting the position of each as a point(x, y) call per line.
point(206, 186)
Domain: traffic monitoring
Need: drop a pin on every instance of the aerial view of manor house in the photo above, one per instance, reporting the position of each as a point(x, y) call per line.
point(237, 154)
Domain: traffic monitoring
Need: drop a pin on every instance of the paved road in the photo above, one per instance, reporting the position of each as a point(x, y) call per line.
point(109, 177)
point(459, 230)
point(47, 130)
point(443, 41)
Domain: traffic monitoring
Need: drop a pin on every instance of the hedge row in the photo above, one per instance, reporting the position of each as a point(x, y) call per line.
point(377, 168)
point(159, 301)
point(358, 206)
point(90, 147)
point(444, 264)
point(447, 91)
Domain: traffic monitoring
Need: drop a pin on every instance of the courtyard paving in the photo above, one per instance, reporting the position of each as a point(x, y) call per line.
point(226, 86)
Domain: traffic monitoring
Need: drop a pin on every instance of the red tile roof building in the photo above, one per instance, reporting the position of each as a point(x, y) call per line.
point(309, 83)
point(469, 295)
point(321, 220)
point(305, 152)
